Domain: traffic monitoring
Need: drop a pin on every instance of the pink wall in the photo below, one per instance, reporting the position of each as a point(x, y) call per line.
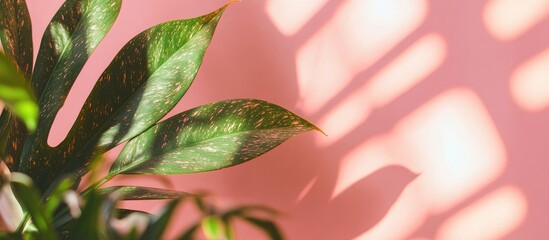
point(436, 112)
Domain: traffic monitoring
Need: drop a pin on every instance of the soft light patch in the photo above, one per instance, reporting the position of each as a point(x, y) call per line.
point(530, 83)
point(407, 214)
point(362, 161)
point(338, 52)
point(415, 64)
point(452, 140)
point(290, 16)
point(491, 217)
point(407, 70)
point(453, 146)
point(509, 19)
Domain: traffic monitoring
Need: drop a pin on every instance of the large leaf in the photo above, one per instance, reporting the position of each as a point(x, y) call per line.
point(143, 193)
point(16, 34)
point(145, 80)
point(16, 41)
point(71, 36)
point(210, 137)
point(16, 93)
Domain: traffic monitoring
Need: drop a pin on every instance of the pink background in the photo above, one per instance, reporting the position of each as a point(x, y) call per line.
point(436, 112)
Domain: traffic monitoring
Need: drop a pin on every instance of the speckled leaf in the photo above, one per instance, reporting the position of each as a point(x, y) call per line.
point(143, 193)
point(68, 41)
point(145, 80)
point(210, 137)
point(16, 34)
point(16, 41)
point(17, 94)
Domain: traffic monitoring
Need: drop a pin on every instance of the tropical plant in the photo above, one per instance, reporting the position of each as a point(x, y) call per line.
point(148, 76)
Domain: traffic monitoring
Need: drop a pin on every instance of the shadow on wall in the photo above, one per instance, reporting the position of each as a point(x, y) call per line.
point(436, 113)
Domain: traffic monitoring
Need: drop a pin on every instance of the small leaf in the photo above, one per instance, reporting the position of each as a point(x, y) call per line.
point(143, 193)
point(29, 198)
point(122, 213)
point(54, 200)
point(251, 210)
point(68, 41)
point(11, 213)
point(266, 226)
point(157, 225)
point(213, 228)
point(17, 94)
point(132, 225)
point(210, 137)
point(93, 223)
point(189, 233)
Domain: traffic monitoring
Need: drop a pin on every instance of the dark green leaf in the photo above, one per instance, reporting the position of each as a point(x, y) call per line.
point(157, 225)
point(251, 210)
point(70, 38)
point(189, 234)
point(5, 123)
point(16, 93)
point(93, 223)
point(145, 80)
point(122, 213)
point(210, 137)
point(266, 226)
point(144, 193)
point(29, 198)
point(16, 34)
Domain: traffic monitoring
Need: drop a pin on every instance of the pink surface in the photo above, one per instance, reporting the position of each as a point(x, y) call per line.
point(436, 112)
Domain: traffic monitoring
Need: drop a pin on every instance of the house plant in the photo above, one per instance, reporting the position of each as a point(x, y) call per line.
point(142, 84)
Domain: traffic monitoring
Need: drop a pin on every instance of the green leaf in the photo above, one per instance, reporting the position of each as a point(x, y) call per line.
point(68, 41)
point(93, 223)
point(143, 193)
point(16, 34)
point(145, 80)
point(29, 198)
point(55, 199)
point(157, 225)
point(213, 228)
point(210, 137)
point(266, 226)
point(252, 210)
point(17, 94)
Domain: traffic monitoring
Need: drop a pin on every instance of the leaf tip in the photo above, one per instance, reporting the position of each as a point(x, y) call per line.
point(232, 2)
